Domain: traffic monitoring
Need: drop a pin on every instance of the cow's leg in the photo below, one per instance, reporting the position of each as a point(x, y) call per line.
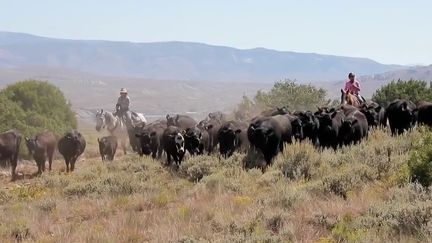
point(73, 160)
point(39, 165)
point(43, 161)
point(159, 155)
point(123, 144)
point(169, 158)
point(50, 159)
point(14, 163)
point(67, 161)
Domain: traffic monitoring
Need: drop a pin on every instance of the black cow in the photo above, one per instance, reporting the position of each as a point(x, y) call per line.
point(173, 144)
point(107, 147)
point(353, 129)
point(329, 126)
point(9, 149)
point(400, 115)
point(375, 115)
point(151, 139)
point(42, 147)
point(181, 121)
point(71, 146)
point(196, 140)
point(310, 125)
point(265, 134)
point(424, 113)
point(232, 137)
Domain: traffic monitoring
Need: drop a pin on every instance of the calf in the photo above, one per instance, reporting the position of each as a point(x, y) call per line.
point(173, 144)
point(107, 147)
point(232, 136)
point(265, 134)
point(42, 147)
point(329, 126)
point(71, 146)
point(9, 148)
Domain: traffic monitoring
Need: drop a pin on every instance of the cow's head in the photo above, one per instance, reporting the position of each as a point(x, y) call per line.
point(171, 120)
point(297, 128)
point(179, 142)
point(347, 128)
point(31, 145)
point(193, 138)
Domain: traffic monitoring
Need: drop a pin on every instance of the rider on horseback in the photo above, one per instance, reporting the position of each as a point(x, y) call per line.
point(352, 86)
point(122, 106)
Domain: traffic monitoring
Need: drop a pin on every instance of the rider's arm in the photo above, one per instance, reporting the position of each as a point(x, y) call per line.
point(127, 101)
point(357, 85)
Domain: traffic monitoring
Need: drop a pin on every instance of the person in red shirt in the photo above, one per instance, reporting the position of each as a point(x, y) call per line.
point(353, 86)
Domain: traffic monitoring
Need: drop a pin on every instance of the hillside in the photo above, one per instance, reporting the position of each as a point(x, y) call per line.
point(178, 60)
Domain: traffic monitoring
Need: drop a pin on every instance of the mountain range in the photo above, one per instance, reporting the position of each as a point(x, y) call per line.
point(179, 60)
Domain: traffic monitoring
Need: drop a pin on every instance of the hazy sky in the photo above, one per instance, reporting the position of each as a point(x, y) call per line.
point(389, 31)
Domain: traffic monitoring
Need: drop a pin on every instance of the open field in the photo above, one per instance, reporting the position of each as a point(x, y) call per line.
point(357, 194)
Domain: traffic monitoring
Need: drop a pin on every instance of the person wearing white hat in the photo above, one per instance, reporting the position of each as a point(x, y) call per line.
point(122, 106)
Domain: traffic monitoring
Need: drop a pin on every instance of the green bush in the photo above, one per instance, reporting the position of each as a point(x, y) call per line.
point(420, 162)
point(413, 90)
point(35, 106)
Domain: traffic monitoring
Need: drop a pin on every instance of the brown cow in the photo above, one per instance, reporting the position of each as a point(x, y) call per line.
point(42, 147)
point(9, 148)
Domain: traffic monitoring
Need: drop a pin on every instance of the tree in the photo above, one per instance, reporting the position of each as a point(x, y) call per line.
point(35, 106)
point(294, 96)
point(413, 90)
point(284, 93)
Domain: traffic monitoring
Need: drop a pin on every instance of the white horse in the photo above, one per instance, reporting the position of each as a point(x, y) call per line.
point(114, 125)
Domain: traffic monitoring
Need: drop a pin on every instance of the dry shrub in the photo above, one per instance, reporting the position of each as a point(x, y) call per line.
point(299, 161)
point(407, 212)
point(197, 167)
point(347, 179)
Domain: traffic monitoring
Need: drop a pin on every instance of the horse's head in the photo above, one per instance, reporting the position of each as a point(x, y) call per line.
point(100, 120)
point(350, 99)
point(343, 97)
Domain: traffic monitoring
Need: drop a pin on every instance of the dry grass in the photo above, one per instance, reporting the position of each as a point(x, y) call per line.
point(306, 196)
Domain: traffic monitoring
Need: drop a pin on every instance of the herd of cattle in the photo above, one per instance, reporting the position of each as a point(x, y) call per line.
point(266, 133)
